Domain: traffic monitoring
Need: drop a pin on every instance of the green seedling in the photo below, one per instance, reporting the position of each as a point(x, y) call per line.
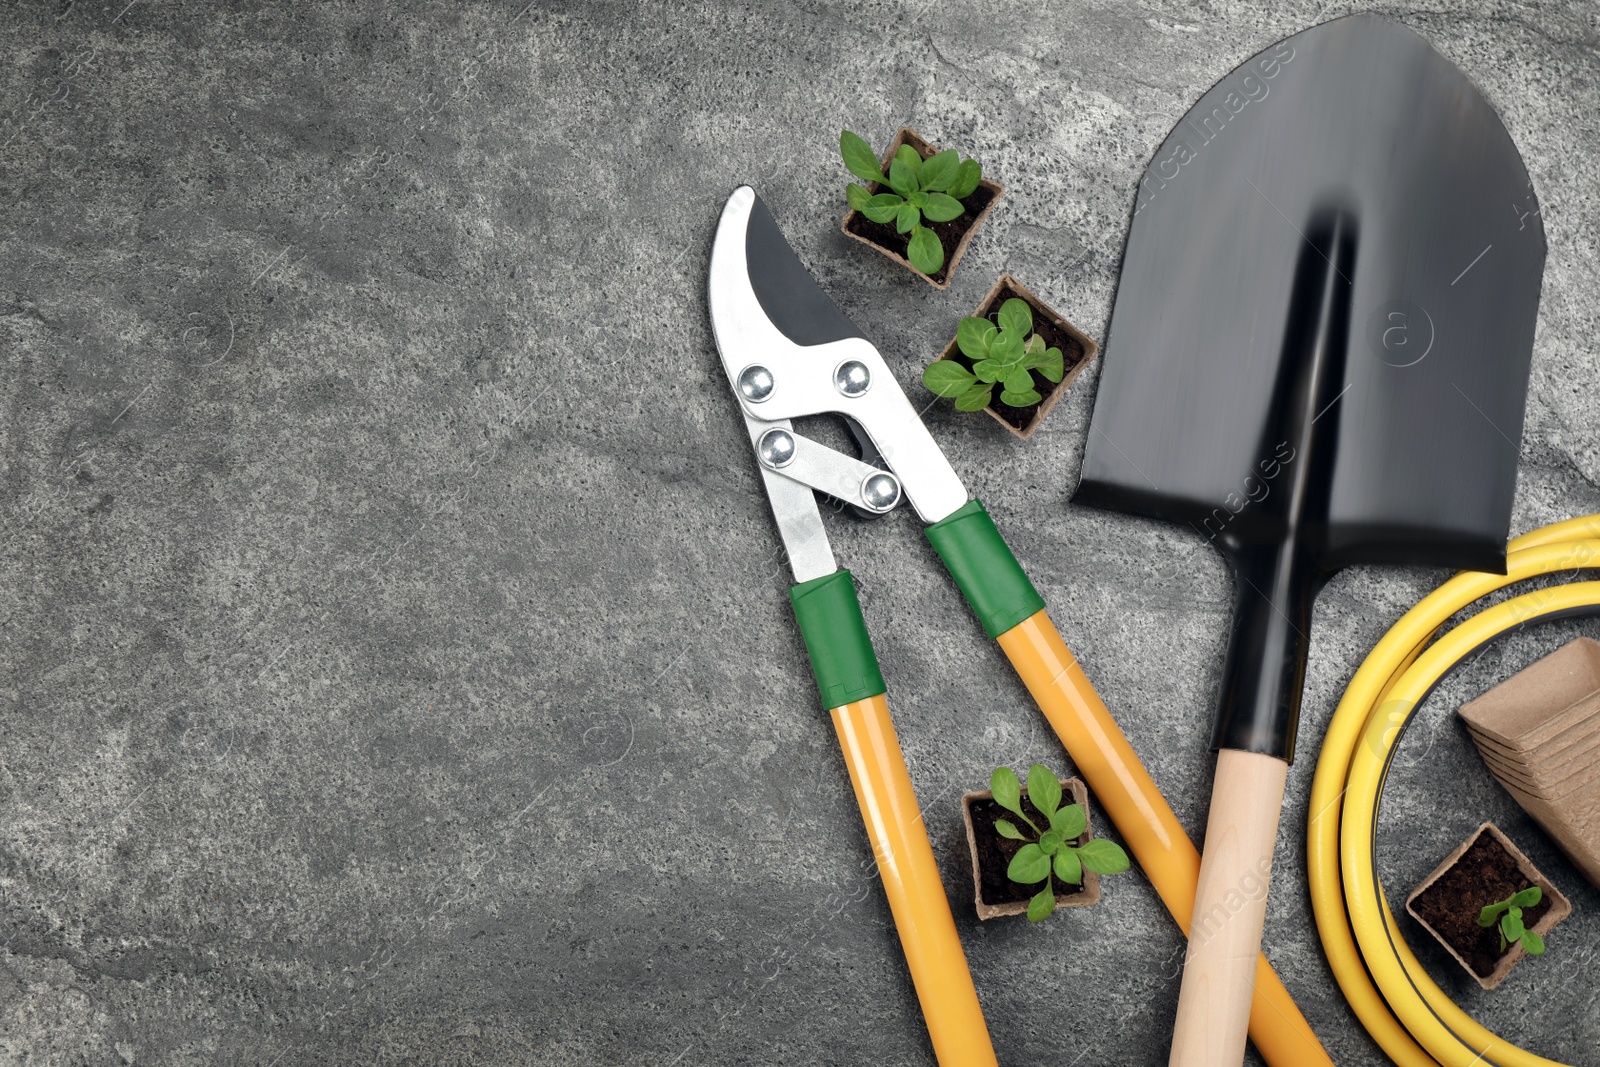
point(1049, 853)
point(1003, 354)
point(931, 188)
point(1508, 913)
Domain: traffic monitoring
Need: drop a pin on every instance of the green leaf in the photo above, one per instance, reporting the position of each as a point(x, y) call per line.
point(973, 337)
point(1016, 315)
point(882, 207)
point(856, 196)
point(1042, 904)
point(1068, 867)
point(975, 399)
point(925, 252)
point(919, 198)
point(1069, 821)
point(1528, 897)
point(1005, 828)
point(908, 218)
point(1511, 927)
point(1049, 842)
point(965, 183)
point(1035, 346)
point(1488, 915)
point(1104, 857)
point(1051, 365)
point(1005, 787)
point(948, 378)
point(939, 170)
point(1044, 789)
point(988, 371)
point(1007, 347)
point(911, 158)
point(1018, 381)
point(859, 158)
point(1019, 400)
point(1030, 864)
point(902, 175)
point(1533, 943)
point(942, 208)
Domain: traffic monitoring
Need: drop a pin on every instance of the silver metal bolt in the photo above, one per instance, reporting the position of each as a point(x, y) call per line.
point(880, 491)
point(755, 383)
point(852, 377)
point(776, 448)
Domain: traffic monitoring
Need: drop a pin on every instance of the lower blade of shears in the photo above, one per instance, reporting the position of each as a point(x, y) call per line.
point(794, 506)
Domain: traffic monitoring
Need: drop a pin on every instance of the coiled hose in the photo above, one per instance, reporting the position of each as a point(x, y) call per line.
point(1403, 1009)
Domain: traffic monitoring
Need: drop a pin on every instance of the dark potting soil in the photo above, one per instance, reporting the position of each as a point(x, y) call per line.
point(995, 853)
point(1054, 337)
point(1484, 874)
point(884, 235)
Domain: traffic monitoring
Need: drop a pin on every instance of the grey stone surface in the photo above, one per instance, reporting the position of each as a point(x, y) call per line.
point(397, 662)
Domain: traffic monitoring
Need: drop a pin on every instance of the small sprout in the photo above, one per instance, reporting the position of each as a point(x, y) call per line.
point(1050, 852)
point(931, 188)
point(1005, 354)
point(1508, 913)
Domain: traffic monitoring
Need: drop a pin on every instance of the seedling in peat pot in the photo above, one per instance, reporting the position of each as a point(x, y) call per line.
point(1049, 853)
point(1002, 355)
point(1508, 913)
point(931, 188)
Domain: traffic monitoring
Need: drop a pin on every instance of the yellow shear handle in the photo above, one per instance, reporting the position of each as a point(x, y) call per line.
point(911, 881)
point(1141, 814)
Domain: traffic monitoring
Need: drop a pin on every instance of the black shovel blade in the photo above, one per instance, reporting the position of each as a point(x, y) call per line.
point(1319, 349)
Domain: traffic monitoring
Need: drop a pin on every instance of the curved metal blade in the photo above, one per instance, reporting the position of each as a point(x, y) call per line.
point(1358, 118)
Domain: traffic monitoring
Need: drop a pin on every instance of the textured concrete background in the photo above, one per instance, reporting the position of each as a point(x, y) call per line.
point(398, 668)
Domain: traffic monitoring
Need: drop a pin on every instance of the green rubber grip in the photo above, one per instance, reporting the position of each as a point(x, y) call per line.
point(984, 568)
point(836, 638)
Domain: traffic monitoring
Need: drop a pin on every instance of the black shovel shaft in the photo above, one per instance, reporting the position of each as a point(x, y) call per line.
point(1276, 549)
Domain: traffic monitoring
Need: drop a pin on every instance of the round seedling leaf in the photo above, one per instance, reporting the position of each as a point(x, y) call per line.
point(988, 371)
point(1069, 821)
point(975, 399)
point(925, 252)
point(907, 218)
point(857, 196)
point(973, 337)
point(1003, 784)
point(1044, 789)
point(1005, 828)
point(1042, 904)
point(1007, 346)
point(939, 170)
point(1103, 857)
point(1016, 315)
point(902, 175)
point(1029, 865)
point(965, 183)
point(883, 206)
point(1533, 943)
point(1051, 365)
point(1049, 842)
point(1019, 400)
point(949, 379)
point(1068, 868)
point(1527, 898)
point(1018, 380)
point(1511, 924)
point(859, 158)
point(942, 208)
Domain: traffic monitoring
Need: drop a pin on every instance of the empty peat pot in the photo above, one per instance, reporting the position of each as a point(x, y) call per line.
point(1539, 733)
point(1486, 869)
point(997, 895)
point(954, 235)
point(1077, 350)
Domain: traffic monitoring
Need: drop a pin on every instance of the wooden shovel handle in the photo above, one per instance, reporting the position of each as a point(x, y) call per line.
point(1230, 906)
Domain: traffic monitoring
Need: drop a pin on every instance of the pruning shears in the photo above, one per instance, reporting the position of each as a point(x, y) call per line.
point(789, 352)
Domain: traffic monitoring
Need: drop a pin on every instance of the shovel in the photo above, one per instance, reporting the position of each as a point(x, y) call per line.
point(1318, 357)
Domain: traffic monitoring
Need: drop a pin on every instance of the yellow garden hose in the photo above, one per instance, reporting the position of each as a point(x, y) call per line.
point(1403, 1009)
